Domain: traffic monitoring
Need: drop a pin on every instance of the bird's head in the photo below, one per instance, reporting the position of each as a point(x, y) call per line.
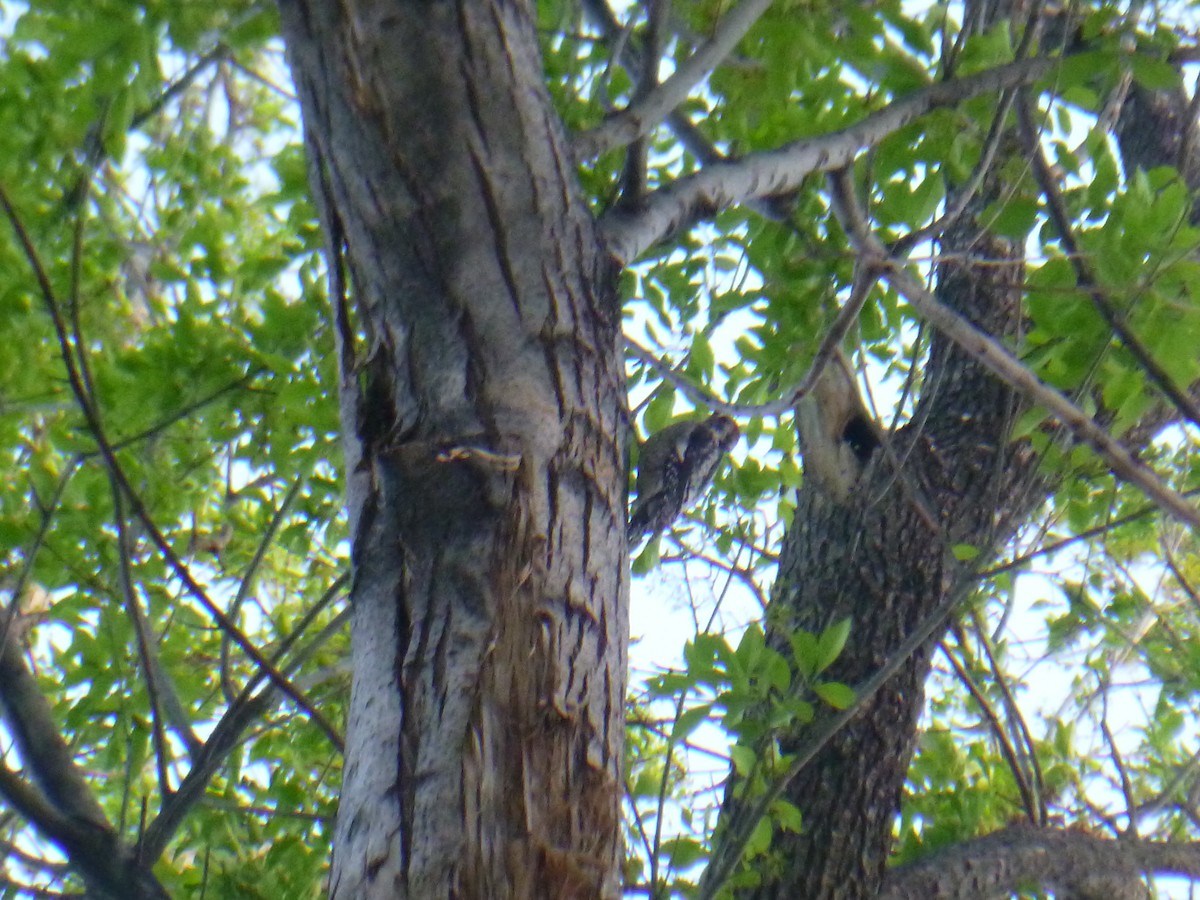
point(724, 430)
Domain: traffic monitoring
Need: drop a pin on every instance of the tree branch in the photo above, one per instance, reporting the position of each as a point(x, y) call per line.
point(135, 501)
point(1086, 278)
point(249, 576)
point(864, 279)
point(238, 716)
point(157, 685)
point(687, 200)
point(1070, 863)
point(80, 840)
point(642, 116)
point(43, 751)
point(61, 806)
point(691, 137)
point(988, 712)
point(30, 555)
point(991, 354)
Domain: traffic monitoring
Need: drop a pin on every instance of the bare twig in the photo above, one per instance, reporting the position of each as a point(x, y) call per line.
point(135, 501)
point(1119, 764)
point(1013, 711)
point(640, 117)
point(179, 415)
point(1007, 750)
point(1055, 546)
point(249, 575)
point(141, 634)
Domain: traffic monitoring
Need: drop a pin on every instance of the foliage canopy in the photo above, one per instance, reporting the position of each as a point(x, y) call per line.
point(168, 412)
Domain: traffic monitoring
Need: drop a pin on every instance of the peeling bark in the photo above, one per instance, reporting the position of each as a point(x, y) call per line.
point(484, 417)
point(482, 399)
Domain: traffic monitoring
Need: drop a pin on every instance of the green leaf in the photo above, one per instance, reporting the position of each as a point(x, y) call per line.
point(839, 696)
point(831, 643)
point(743, 759)
point(683, 852)
point(786, 815)
point(702, 360)
point(806, 652)
point(688, 721)
point(1153, 74)
point(760, 838)
point(1015, 218)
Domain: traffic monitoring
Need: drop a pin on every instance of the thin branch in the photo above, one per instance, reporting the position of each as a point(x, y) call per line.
point(243, 591)
point(865, 276)
point(47, 516)
point(1055, 546)
point(690, 136)
point(184, 412)
point(639, 825)
point(991, 145)
point(689, 199)
point(179, 85)
point(831, 342)
point(643, 115)
point(760, 552)
point(1185, 772)
point(1086, 278)
point(1181, 579)
point(696, 394)
point(637, 154)
point(1119, 764)
point(727, 856)
point(1007, 750)
point(663, 786)
point(141, 634)
point(1013, 711)
point(73, 299)
point(992, 355)
point(238, 716)
point(962, 198)
point(94, 150)
point(135, 501)
point(617, 36)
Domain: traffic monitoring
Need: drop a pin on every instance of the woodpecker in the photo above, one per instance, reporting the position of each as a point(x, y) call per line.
point(674, 468)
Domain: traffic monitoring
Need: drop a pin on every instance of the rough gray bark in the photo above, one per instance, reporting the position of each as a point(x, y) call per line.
point(874, 560)
point(58, 800)
point(482, 400)
point(484, 418)
point(1071, 863)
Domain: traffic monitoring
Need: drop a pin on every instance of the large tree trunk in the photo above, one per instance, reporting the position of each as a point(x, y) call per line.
point(877, 560)
point(484, 418)
point(483, 413)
